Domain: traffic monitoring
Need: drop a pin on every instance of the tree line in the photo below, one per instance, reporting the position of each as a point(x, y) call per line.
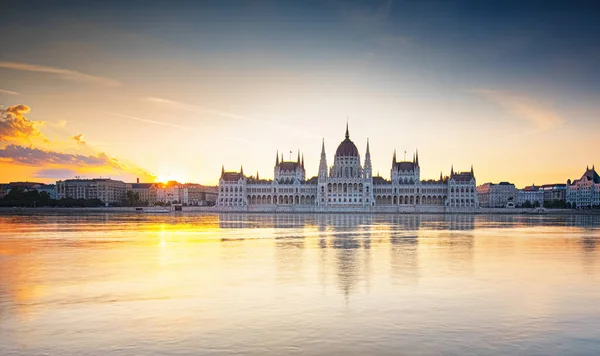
point(21, 198)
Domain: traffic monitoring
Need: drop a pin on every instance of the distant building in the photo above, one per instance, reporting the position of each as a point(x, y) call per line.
point(554, 193)
point(146, 191)
point(496, 195)
point(169, 193)
point(25, 185)
point(584, 192)
point(197, 195)
point(531, 194)
point(186, 194)
point(106, 190)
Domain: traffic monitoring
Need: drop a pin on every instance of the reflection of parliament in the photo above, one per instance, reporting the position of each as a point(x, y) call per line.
point(347, 186)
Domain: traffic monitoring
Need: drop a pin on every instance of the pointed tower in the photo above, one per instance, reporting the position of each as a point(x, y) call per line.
point(302, 164)
point(347, 131)
point(298, 157)
point(241, 169)
point(394, 159)
point(368, 169)
point(417, 159)
point(222, 171)
point(257, 177)
point(441, 175)
point(452, 171)
point(323, 162)
point(277, 158)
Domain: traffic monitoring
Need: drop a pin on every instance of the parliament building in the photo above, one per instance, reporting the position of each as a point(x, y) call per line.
point(347, 186)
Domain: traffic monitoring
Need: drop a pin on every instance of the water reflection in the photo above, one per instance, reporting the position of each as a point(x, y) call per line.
point(404, 258)
point(325, 284)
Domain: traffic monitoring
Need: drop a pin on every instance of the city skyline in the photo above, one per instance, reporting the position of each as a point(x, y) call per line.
point(166, 92)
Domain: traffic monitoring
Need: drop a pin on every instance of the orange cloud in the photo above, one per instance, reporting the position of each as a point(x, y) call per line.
point(14, 125)
point(79, 139)
point(42, 158)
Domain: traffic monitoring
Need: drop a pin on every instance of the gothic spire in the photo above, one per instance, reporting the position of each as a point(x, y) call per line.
point(368, 159)
point(417, 159)
point(452, 171)
point(347, 132)
point(303, 160)
point(241, 169)
point(277, 158)
point(441, 175)
point(323, 162)
point(394, 158)
point(222, 170)
point(298, 156)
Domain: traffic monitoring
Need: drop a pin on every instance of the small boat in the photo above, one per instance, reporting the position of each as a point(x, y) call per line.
point(156, 210)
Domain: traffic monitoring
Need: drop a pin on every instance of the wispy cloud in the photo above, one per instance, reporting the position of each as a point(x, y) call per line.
point(65, 73)
point(196, 108)
point(543, 116)
point(145, 120)
point(9, 92)
point(226, 114)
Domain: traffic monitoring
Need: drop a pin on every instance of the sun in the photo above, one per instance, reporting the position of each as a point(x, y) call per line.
point(171, 176)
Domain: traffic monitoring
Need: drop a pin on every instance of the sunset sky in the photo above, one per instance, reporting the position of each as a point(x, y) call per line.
point(173, 90)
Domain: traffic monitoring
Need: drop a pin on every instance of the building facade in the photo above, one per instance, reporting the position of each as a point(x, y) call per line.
point(584, 193)
point(146, 192)
point(106, 190)
point(554, 193)
point(532, 194)
point(497, 195)
point(347, 185)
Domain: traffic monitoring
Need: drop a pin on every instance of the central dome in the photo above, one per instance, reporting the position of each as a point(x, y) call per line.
point(347, 148)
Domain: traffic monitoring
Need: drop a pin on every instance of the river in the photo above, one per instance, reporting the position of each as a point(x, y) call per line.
point(237, 284)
